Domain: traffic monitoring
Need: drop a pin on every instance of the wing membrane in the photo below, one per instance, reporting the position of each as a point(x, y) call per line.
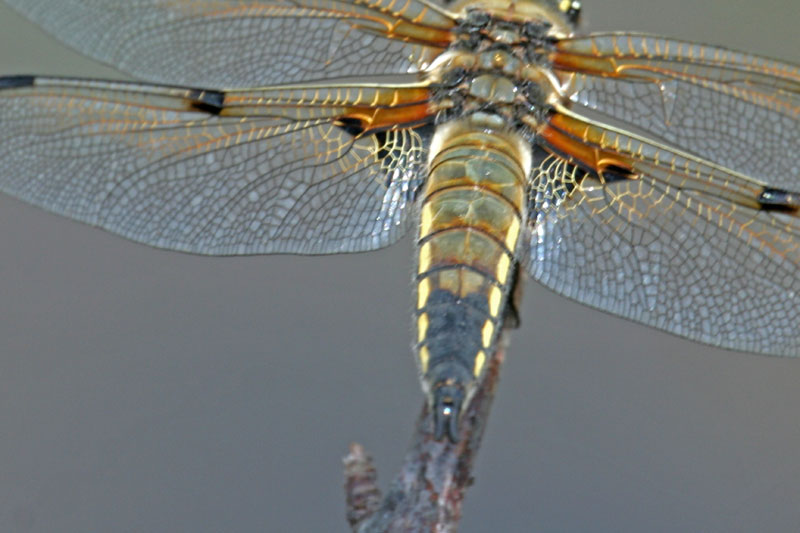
point(736, 109)
point(659, 236)
point(183, 169)
point(245, 43)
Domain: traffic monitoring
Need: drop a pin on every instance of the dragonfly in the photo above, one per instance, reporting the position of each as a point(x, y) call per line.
point(652, 178)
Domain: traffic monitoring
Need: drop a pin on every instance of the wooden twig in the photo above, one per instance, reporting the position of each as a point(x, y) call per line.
point(427, 493)
point(361, 486)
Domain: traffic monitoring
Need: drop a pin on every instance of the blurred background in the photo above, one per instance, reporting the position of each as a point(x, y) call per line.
point(143, 390)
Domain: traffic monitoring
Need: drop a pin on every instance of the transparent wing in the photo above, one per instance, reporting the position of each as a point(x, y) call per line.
point(662, 237)
point(736, 109)
point(217, 173)
point(245, 43)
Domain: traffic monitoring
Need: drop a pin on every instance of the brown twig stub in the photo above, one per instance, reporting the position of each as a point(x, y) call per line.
point(361, 485)
point(426, 495)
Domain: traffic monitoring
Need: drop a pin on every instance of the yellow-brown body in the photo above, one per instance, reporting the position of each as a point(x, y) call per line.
point(471, 214)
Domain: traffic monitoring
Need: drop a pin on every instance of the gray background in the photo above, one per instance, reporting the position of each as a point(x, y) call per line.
point(143, 390)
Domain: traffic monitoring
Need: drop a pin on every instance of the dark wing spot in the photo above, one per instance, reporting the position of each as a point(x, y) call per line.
point(210, 102)
point(350, 125)
point(612, 173)
point(779, 200)
point(11, 82)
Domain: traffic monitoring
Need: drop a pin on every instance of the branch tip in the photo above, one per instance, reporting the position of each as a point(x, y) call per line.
point(363, 496)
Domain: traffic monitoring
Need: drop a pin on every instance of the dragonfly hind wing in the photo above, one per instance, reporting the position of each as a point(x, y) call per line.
point(665, 239)
point(172, 168)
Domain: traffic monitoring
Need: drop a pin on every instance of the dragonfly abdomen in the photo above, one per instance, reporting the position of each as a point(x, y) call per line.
point(470, 219)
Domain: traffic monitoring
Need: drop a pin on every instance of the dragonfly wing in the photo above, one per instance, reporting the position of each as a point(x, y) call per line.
point(739, 110)
point(662, 237)
point(242, 43)
point(214, 173)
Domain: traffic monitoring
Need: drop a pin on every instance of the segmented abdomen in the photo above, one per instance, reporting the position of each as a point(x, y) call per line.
point(470, 220)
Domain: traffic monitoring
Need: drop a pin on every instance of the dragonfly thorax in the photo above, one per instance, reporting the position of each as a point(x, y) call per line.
point(497, 66)
point(557, 17)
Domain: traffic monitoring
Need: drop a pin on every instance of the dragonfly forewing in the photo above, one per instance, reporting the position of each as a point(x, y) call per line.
point(240, 43)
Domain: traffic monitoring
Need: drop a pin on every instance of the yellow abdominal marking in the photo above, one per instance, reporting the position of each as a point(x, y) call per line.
point(424, 356)
point(424, 258)
point(423, 290)
point(512, 235)
point(422, 326)
point(486, 333)
point(502, 268)
point(495, 297)
point(480, 360)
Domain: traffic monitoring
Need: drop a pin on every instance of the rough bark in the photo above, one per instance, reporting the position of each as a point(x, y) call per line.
point(428, 492)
